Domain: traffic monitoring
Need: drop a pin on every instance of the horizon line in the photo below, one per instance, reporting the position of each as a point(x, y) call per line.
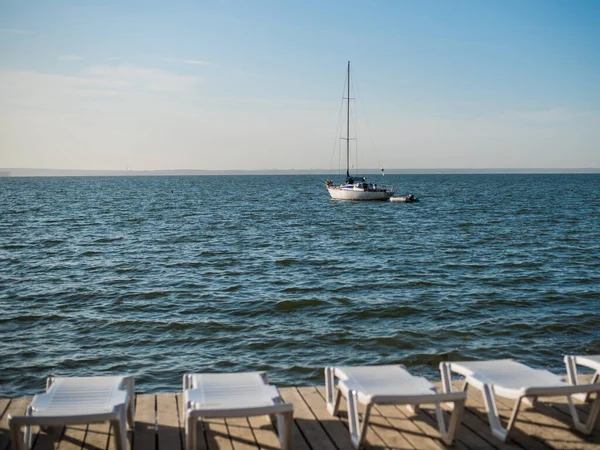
point(32, 172)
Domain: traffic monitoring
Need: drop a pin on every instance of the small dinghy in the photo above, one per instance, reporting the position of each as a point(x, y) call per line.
point(409, 198)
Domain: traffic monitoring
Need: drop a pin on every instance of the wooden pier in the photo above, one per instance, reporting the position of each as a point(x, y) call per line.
point(159, 426)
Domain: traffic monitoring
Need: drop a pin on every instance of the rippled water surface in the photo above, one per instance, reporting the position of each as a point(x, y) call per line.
point(158, 276)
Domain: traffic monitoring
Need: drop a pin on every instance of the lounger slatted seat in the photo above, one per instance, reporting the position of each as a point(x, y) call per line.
point(384, 385)
point(243, 394)
point(510, 379)
point(590, 361)
point(78, 401)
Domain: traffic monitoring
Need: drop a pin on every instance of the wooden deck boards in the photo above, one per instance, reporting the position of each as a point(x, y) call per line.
point(159, 426)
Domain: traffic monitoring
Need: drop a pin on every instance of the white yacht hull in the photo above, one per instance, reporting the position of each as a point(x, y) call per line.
point(342, 193)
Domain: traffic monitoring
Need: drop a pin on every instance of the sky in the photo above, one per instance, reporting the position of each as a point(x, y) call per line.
point(258, 85)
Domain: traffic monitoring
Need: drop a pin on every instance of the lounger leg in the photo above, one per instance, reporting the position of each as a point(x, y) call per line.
point(333, 404)
point(494, 418)
point(186, 413)
point(353, 421)
point(191, 430)
point(531, 401)
point(49, 382)
point(447, 381)
point(413, 409)
point(28, 437)
point(446, 377)
point(455, 419)
point(571, 369)
point(186, 385)
point(130, 401)
point(571, 363)
point(515, 412)
point(284, 428)
point(358, 431)
point(595, 379)
point(364, 426)
point(588, 426)
point(119, 427)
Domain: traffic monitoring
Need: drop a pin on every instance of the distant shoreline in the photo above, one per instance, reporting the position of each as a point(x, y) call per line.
point(20, 172)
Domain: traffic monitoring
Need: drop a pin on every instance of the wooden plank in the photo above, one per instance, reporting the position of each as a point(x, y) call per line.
point(518, 436)
point(264, 432)
point(562, 412)
point(4, 432)
point(4, 402)
point(72, 438)
point(299, 441)
point(582, 409)
point(44, 441)
point(16, 406)
point(384, 429)
point(475, 421)
point(333, 425)
point(306, 421)
point(98, 437)
point(240, 432)
point(373, 439)
point(144, 434)
point(217, 434)
point(168, 422)
point(548, 426)
point(542, 424)
point(475, 433)
point(417, 429)
point(212, 434)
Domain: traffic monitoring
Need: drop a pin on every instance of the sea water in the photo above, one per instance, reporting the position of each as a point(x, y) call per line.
point(159, 276)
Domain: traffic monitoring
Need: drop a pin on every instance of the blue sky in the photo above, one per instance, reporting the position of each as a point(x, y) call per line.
point(92, 84)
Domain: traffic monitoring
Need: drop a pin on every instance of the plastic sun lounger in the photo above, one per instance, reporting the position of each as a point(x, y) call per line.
point(242, 394)
point(78, 401)
point(387, 385)
point(591, 361)
point(510, 379)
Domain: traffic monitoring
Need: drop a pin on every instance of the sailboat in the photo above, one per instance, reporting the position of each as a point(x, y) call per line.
point(356, 188)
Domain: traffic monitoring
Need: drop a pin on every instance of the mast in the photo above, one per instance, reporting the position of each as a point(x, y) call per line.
point(348, 130)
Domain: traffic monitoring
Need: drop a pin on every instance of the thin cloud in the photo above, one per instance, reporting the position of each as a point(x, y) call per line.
point(150, 79)
point(69, 57)
point(197, 62)
point(15, 31)
point(546, 116)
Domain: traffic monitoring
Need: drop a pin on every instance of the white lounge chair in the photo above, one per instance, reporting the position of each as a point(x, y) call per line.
point(243, 394)
point(590, 361)
point(510, 379)
point(385, 385)
point(78, 401)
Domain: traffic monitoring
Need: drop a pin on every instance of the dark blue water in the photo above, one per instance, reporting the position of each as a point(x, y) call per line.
point(159, 276)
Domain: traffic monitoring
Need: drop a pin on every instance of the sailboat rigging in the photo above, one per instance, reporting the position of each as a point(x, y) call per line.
point(354, 189)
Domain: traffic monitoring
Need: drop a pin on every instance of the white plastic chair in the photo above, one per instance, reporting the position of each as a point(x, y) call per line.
point(78, 401)
point(510, 379)
point(385, 385)
point(243, 394)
